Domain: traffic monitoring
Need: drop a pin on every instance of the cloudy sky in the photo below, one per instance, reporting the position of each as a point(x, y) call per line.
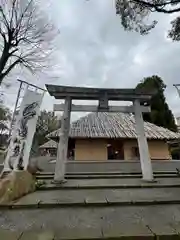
point(92, 49)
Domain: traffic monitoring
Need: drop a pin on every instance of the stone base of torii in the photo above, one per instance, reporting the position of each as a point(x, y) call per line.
point(103, 95)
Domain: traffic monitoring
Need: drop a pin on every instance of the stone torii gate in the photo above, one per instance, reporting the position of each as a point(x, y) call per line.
point(103, 95)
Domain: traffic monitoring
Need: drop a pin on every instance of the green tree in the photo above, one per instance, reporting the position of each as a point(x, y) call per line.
point(160, 113)
point(3, 127)
point(47, 122)
point(5, 116)
point(134, 13)
point(5, 113)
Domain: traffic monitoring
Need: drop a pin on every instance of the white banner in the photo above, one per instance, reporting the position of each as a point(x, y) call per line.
point(23, 132)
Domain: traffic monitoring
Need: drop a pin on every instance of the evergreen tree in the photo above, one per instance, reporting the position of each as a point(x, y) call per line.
point(160, 113)
point(5, 113)
point(47, 122)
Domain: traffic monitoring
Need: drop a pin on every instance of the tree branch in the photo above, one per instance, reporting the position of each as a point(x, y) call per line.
point(3, 35)
point(13, 51)
point(159, 7)
point(2, 75)
point(18, 24)
point(4, 17)
point(13, 11)
point(167, 11)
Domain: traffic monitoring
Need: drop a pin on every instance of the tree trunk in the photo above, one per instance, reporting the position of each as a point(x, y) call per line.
point(1, 78)
point(3, 61)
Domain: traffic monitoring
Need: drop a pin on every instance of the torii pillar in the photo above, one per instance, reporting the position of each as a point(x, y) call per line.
point(63, 142)
point(145, 160)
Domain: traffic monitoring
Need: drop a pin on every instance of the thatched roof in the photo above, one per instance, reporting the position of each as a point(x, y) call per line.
point(113, 125)
point(49, 144)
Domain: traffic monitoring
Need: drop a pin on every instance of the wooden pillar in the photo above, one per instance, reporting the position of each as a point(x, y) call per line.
point(145, 160)
point(63, 143)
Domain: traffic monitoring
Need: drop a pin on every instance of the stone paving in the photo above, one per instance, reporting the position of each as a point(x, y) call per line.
point(90, 223)
point(96, 209)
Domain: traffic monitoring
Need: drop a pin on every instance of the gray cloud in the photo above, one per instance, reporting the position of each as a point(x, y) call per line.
point(94, 50)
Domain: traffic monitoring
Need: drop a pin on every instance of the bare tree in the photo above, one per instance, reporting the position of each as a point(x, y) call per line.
point(134, 12)
point(25, 36)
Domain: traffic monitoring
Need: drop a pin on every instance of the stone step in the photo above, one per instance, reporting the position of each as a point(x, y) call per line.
point(96, 198)
point(53, 204)
point(129, 183)
point(95, 176)
point(107, 173)
point(109, 166)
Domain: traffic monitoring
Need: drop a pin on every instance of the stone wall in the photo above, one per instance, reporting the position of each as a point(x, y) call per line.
point(48, 165)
